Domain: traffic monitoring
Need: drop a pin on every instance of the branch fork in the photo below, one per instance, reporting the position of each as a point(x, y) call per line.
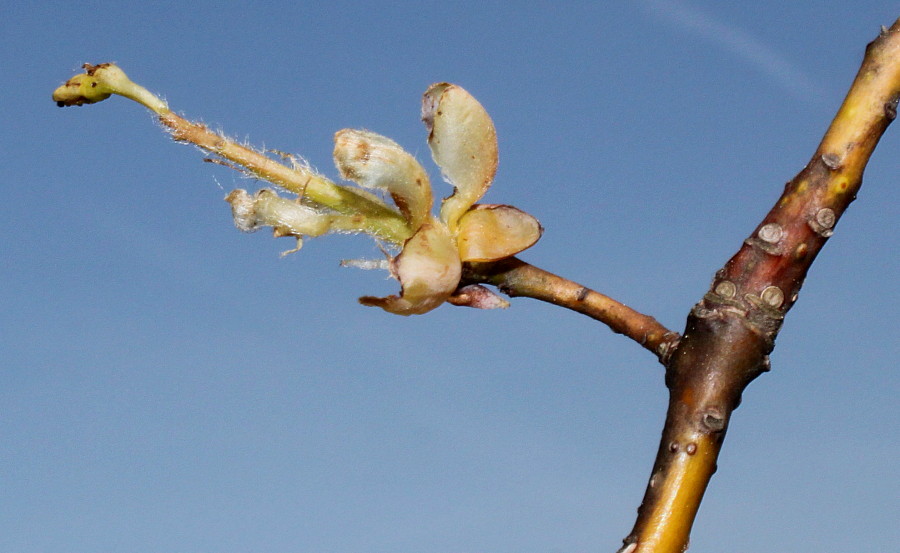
point(448, 257)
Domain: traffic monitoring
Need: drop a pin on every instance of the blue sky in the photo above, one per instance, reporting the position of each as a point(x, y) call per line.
point(170, 384)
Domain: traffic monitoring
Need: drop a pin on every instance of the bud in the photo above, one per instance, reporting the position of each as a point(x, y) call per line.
point(463, 143)
point(81, 89)
point(375, 161)
point(98, 83)
point(286, 217)
point(490, 232)
point(477, 296)
point(428, 269)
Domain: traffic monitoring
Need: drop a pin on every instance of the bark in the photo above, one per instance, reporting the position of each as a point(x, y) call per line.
point(517, 278)
point(731, 331)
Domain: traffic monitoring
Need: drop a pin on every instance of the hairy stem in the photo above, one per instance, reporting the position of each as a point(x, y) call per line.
point(384, 222)
point(515, 277)
point(730, 332)
point(371, 215)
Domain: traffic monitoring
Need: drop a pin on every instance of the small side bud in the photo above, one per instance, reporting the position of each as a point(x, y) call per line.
point(477, 296)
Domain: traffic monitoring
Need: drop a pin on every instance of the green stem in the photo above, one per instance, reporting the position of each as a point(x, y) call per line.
point(376, 217)
point(380, 220)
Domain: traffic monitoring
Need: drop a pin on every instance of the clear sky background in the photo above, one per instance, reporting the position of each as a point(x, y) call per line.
point(168, 384)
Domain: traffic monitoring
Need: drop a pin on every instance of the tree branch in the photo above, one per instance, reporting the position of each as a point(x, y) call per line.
point(730, 332)
point(517, 278)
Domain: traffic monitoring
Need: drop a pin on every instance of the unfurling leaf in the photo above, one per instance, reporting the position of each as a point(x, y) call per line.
point(428, 269)
point(375, 161)
point(491, 232)
point(463, 143)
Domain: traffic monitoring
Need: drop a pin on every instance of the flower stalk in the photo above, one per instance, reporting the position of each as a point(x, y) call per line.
point(432, 249)
point(99, 82)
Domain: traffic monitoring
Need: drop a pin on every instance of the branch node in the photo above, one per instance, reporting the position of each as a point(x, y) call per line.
point(702, 312)
point(771, 233)
point(822, 222)
point(832, 161)
point(890, 108)
point(726, 289)
point(767, 317)
point(667, 346)
point(772, 296)
point(765, 244)
point(712, 421)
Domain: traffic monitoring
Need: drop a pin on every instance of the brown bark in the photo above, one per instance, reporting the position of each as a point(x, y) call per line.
point(730, 332)
point(516, 278)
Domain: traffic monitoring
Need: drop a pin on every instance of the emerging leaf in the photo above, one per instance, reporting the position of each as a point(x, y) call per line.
point(489, 232)
point(375, 161)
point(428, 269)
point(463, 143)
